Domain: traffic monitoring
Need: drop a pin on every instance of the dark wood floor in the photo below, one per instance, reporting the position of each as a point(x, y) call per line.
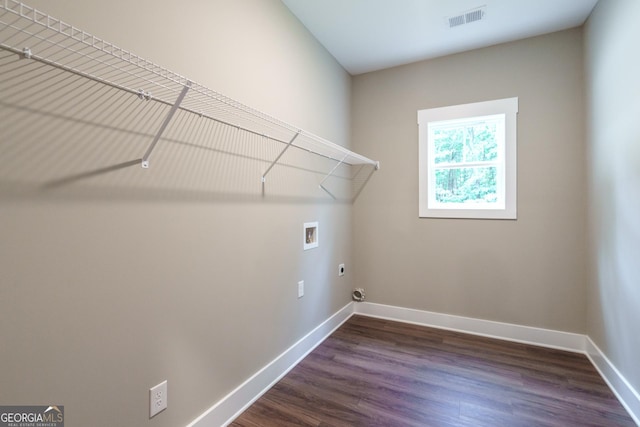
point(373, 372)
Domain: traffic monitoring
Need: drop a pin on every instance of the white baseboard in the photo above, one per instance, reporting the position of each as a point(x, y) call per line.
point(232, 405)
point(506, 331)
point(626, 394)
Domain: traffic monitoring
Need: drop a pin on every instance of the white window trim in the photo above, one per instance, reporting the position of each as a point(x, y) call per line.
point(509, 107)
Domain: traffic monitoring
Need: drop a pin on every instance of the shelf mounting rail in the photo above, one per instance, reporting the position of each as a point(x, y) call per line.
point(36, 36)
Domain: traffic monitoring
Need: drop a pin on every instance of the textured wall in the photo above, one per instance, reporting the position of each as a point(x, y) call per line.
point(114, 278)
point(530, 271)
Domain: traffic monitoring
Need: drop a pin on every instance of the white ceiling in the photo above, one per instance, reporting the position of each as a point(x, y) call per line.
point(369, 35)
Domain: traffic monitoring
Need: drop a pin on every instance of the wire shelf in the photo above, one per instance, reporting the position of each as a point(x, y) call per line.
point(37, 36)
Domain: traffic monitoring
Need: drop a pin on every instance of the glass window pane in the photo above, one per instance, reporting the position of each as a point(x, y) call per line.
point(474, 139)
point(466, 185)
point(481, 143)
point(449, 144)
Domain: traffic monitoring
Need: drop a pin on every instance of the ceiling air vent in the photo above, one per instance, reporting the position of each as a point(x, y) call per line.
point(454, 21)
point(467, 17)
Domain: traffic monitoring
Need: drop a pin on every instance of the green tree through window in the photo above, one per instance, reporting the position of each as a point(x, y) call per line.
point(460, 144)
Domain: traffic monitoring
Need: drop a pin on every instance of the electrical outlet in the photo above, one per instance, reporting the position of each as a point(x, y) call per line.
point(157, 399)
point(301, 289)
point(341, 270)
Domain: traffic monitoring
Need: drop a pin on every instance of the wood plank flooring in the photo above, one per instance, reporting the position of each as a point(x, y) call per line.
point(373, 372)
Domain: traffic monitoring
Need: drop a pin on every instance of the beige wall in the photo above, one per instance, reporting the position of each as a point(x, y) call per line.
point(613, 131)
point(530, 271)
point(115, 278)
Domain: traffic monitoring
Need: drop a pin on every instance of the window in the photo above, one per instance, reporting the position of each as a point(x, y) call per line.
point(467, 160)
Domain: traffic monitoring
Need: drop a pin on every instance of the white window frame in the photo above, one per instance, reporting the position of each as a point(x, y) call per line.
point(507, 167)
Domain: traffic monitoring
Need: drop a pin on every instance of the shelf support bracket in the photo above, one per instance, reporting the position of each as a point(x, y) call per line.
point(331, 173)
point(264, 175)
point(174, 108)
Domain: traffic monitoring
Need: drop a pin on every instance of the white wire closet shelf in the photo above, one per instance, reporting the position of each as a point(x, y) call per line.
point(37, 36)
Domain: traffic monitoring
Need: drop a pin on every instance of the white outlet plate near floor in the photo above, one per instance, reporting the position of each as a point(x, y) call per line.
point(157, 399)
point(301, 289)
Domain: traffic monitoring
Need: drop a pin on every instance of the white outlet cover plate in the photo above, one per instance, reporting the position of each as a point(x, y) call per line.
point(301, 289)
point(157, 399)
